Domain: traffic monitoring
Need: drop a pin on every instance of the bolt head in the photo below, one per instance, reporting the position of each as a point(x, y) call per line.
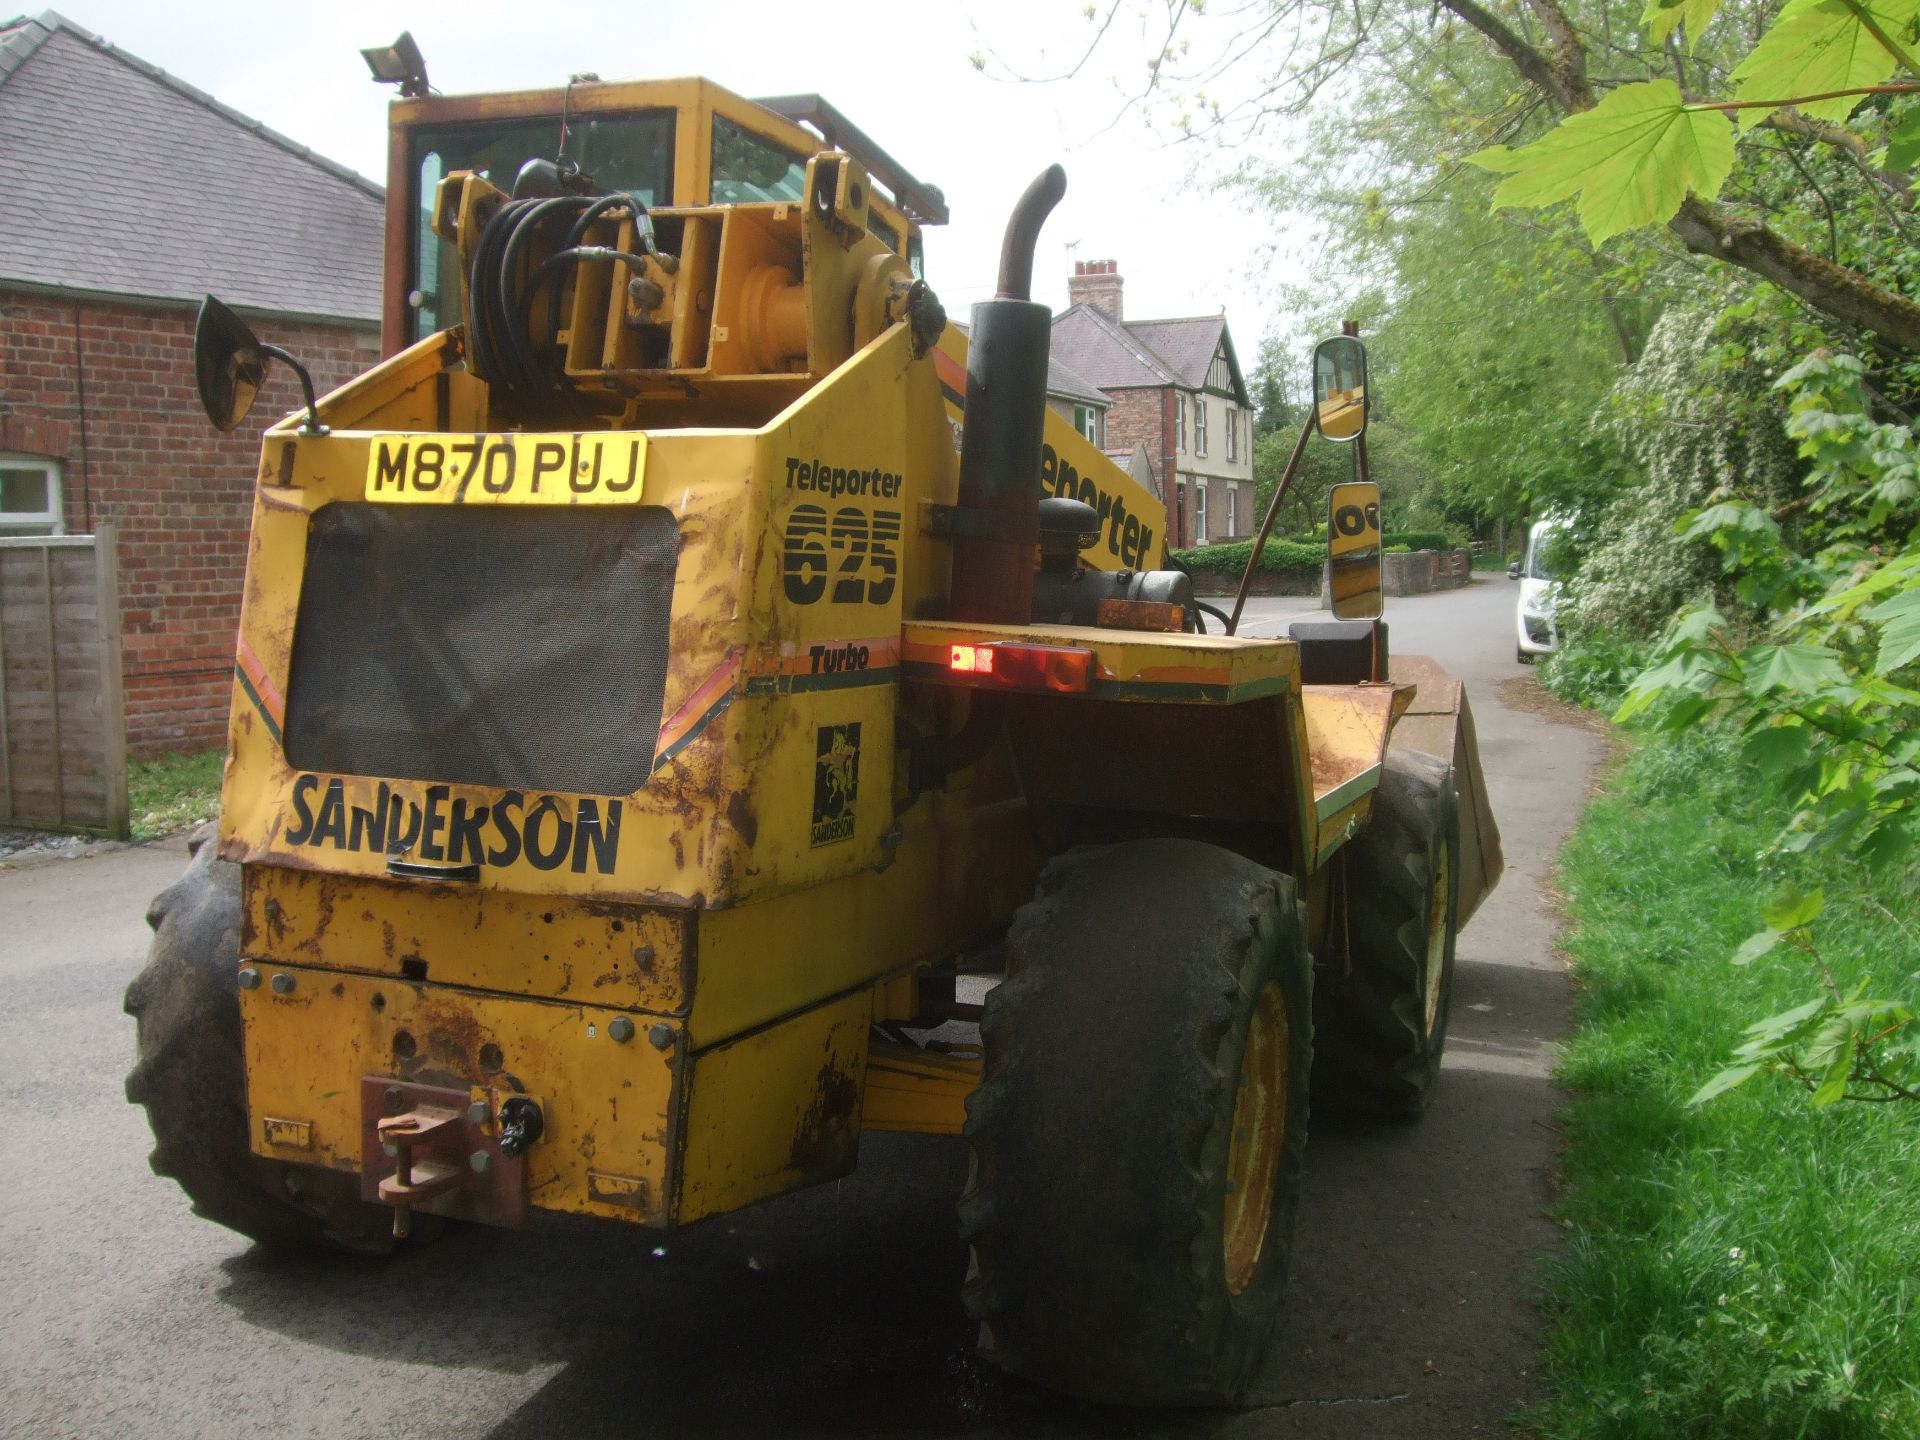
point(479, 1161)
point(661, 1037)
point(249, 978)
point(620, 1028)
point(283, 984)
point(477, 1113)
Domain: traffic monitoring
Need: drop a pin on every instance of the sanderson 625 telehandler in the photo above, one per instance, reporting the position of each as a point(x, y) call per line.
point(682, 657)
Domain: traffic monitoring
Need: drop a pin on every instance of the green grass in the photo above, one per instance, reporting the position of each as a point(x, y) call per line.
point(173, 793)
point(1747, 1269)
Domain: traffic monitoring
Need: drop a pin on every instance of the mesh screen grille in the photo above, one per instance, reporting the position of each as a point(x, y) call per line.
point(518, 646)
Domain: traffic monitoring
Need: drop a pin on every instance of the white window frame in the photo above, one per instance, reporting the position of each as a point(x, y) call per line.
point(1086, 419)
point(1233, 511)
point(1233, 433)
point(1180, 504)
point(1200, 511)
point(51, 521)
point(1180, 424)
point(1199, 424)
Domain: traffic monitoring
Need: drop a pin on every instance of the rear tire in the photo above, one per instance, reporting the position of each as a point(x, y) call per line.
point(1151, 1042)
point(190, 1074)
point(1382, 1025)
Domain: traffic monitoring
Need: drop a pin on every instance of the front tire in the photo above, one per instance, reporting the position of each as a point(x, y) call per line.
point(190, 1074)
point(1137, 1136)
point(1382, 1024)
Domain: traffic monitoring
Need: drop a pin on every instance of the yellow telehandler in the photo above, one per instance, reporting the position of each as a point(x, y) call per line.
point(684, 664)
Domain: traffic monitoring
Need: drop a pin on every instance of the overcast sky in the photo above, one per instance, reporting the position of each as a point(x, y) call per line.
point(899, 71)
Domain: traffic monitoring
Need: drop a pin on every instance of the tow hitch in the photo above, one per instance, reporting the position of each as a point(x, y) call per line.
point(453, 1152)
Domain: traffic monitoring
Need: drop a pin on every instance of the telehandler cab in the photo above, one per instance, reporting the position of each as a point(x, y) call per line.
point(686, 656)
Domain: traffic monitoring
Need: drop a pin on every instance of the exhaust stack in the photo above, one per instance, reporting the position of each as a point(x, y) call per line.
point(999, 497)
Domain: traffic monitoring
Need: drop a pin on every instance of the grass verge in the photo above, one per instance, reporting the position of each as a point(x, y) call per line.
point(173, 793)
point(1748, 1268)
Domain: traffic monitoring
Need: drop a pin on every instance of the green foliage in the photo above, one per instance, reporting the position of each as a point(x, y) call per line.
point(1734, 1269)
point(1279, 557)
point(1645, 147)
point(1698, 419)
point(1631, 159)
point(1823, 687)
point(1818, 46)
point(1819, 689)
point(1595, 673)
point(174, 792)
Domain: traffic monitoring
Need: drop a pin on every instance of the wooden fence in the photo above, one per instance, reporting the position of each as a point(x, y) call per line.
point(63, 751)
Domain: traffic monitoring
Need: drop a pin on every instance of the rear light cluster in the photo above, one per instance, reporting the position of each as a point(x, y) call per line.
point(1003, 665)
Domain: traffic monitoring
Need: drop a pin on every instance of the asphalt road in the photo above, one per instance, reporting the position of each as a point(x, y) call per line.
point(834, 1312)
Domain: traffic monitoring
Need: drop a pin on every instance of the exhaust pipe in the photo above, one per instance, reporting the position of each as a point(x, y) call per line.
point(999, 497)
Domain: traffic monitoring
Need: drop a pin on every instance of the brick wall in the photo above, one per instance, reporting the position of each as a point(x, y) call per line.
point(134, 445)
point(1145, 417)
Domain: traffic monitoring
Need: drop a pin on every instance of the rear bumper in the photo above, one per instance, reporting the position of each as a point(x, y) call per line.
point(637, 1126)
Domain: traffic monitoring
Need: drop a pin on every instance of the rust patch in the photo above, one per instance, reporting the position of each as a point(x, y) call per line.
point(276, 918)
point(740, 815)
point(830, 1127)
point(451, 1035)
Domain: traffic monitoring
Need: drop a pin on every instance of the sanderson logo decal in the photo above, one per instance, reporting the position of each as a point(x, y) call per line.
point(549, 831)
point(836, 782)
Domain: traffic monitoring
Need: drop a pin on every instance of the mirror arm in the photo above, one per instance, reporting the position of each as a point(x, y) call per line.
point(313, 425)
point(1266, 523)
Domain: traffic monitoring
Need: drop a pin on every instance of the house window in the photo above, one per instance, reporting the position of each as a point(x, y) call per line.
point(1180, 423)
point(1180, 511)
point(29, 495)
point(1233, 433)
point(1199, 425)
point(1086, 419)
point(1233, 509)
point(1200, 512)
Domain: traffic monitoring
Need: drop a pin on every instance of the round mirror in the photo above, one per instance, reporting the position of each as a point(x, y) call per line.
point(1340, 388)
point(228, 364)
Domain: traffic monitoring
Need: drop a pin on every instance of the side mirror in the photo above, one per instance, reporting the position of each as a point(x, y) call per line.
point(1353, 551)
point(229, 364)
point(1340, 388)
point(1513, 571)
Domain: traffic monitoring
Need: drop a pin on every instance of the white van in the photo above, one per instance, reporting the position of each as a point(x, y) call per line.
point(1534, 630)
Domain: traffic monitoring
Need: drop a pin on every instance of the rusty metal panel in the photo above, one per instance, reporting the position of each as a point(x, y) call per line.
point(1440, 723)
point(595, 951)
point(775, 1110)
point(607, 1082)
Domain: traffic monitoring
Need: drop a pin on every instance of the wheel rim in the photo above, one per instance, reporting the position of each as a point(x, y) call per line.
point(1437, 917)
point(1259, 1133)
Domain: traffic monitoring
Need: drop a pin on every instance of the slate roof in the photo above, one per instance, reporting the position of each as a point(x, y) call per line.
point(1062, 383)
point(1091, 343)
point(1118, 355)
point(1068, 386)
point(120, 179)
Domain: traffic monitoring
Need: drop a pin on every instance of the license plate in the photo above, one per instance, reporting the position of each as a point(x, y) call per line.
point(602, 469)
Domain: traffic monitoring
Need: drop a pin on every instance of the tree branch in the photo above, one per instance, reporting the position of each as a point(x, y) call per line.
point(1527, 60)
point(1843, 294)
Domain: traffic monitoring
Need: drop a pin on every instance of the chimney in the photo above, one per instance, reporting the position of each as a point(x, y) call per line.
point(1096, 283)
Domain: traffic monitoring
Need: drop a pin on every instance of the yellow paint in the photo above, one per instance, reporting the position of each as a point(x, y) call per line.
point(920, 1091)
point(607, 1105)
point(775, 1110)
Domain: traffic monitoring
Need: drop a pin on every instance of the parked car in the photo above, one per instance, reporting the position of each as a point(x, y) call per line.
point(1534, 628)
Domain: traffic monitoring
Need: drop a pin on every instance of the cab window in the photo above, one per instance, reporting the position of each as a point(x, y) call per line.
point(749, 170)
point(620, 152)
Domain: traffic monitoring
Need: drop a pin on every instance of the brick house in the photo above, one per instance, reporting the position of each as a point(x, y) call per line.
point(127, 196)
point(1176, 391)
